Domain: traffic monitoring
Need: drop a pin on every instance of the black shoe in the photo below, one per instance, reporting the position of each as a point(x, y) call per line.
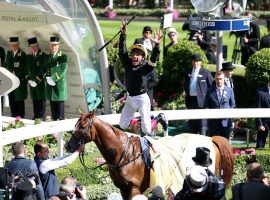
point(162, 119)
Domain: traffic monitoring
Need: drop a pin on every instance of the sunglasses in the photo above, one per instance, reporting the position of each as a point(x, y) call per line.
point(172, 35)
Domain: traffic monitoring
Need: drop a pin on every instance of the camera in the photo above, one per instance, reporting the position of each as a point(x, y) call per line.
point(63, 195)
point(216, 187)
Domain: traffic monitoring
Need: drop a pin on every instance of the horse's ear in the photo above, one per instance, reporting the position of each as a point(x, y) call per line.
point(81, 112)
point(92, 113)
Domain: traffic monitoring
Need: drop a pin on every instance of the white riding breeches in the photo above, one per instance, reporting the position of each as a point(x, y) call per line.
point(140, 103)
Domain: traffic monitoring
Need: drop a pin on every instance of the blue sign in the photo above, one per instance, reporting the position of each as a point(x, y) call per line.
point(196, 23)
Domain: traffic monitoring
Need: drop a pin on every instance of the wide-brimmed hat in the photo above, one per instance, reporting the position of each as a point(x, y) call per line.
point(202, 157)
point(32, 41)
point(14, 40)
point(54, 40)
point(227, 66)
point(197, 179)
point(196, 57)
point(139, 48)
point(171, 30)
point(147, 28)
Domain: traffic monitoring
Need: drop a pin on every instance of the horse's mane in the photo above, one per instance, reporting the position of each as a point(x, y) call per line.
point(226, 158)
point(100, 121)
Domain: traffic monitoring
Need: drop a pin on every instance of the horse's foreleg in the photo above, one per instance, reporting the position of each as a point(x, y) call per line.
point(128, 195)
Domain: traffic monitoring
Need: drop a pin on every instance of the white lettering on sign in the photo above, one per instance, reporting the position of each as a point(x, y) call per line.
point(23, 18)
point(203, 24)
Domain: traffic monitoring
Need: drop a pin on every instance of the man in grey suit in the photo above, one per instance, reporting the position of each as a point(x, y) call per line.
point(219, 96)
point(256, 188)
point(263, 124)
point(24, 166)
point(197, 81)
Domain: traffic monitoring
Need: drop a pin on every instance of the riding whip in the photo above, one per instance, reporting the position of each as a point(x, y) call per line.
point(115, 35)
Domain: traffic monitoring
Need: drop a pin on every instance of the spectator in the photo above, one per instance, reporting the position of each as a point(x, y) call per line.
point(173, 35)
point(197, 81)
point(47, 166)
point(16, 64)
point(57, 86)
point(250, 40)
point(256, 187)
point(265, 41)
point(36, 63)
point(115, 196)
point(157, 193)
point(227, 69)
point(263, 124)
point(204, 39)
point(70, 187)
point(146, 40)
point(19, 164)
point(139, 197)
point(219, 96)
point(137, 72)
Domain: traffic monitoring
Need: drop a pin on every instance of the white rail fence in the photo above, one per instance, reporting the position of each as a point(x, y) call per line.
point(46, 128)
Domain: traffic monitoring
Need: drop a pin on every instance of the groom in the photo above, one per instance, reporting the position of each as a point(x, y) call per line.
point(222, 97)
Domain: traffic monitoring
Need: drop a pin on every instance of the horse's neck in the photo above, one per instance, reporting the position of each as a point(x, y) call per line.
point(110, 141)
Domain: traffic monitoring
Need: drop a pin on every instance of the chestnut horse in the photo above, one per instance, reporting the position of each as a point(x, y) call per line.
point(124, 156)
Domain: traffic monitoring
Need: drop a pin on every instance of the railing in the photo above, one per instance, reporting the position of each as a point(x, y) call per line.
point(45, 128)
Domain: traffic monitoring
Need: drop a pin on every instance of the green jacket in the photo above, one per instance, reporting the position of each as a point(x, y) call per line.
point(57, 69)
point(37, 70)
point(17, 66)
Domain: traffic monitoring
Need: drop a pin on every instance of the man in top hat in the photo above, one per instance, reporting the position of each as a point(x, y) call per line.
point(265, 40)
point(37, 69)
point(227, 69)
point(56, 79)
point(173, 35)
point(197, 81)
point(146, 40)
point(219, 96)
point(202, 157)
point(16, 64)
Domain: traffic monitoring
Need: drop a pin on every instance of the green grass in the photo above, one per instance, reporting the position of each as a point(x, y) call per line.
point(111, 27)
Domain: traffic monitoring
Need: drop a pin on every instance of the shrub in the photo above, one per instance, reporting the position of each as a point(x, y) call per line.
point(175, 64)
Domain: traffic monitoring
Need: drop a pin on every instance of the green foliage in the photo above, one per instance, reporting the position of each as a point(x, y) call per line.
point(257, 72)
point(175, 64)
point(17, 123)
point(100, 192)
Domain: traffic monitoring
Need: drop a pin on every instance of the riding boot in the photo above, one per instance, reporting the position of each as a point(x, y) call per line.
point(162, 119)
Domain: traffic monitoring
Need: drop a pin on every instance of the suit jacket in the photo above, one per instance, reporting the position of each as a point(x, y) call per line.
point(37, 70)
point(253, 36)
point(227, 101)
point(25, 166)
point(141, 41)
point(263, 101)
point(265, 41)
point(251, 190)
point(57, 69)
point(17, 65)
point(204, 81)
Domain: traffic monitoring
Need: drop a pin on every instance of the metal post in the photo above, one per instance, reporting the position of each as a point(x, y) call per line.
point(171, 4)
point(1, 125)
point(219, 50)
point(60, 144)
point(110, 4)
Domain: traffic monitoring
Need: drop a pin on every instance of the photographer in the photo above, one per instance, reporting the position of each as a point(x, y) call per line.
point(24, 166)
point(69, 189)
point(256, 187)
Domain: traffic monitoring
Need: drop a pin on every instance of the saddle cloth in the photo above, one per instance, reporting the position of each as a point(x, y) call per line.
point(172, 158)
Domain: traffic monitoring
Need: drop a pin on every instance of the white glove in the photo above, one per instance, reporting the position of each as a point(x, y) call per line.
point(50, 81)
point(32, 83)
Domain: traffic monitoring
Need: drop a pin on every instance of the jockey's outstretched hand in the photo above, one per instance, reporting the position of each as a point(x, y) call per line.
point(157, 36)
point(81, 148)
point(123, 28)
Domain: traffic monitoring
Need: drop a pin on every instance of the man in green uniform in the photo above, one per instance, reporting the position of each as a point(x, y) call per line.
point(37, 69)
point(16, 64)
point(56, 79)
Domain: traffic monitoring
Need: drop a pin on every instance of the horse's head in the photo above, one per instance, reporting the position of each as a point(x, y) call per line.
point(82, 132)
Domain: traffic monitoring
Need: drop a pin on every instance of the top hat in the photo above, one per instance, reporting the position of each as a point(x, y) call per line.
point(197, 179)
point(268, 23)
point(14, 40)
point(196, 57)
point(227, 66)
point(24, 189)
point(202, 157)
point(32, 41)
point(171, 30)
point(54, 40)
point(147, 28)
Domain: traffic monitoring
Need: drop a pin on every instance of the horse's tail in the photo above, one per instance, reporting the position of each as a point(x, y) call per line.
point(226, 158)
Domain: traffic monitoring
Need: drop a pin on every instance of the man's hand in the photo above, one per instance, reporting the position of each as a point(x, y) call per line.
point(32, 83)
point(157, 37)
point(82, 192)
point(50, 81)
point(261, 128)
point(72, 198)
point(123, 28)
point(81, 148)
